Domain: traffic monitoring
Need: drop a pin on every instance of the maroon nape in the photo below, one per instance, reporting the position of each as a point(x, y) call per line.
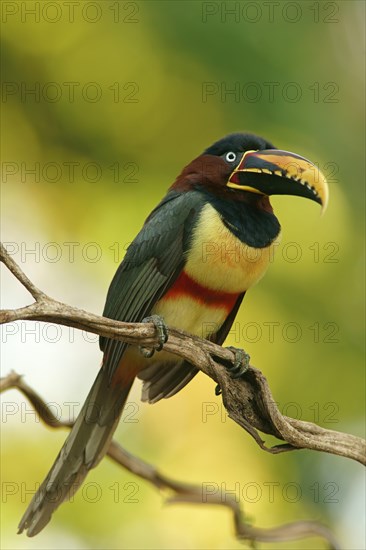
point(208, 170)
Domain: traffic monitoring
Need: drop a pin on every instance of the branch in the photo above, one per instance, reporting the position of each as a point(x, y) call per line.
point(180, 492)
point(248, 401)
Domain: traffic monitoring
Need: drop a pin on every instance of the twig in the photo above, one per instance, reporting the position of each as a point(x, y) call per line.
point(19, 274)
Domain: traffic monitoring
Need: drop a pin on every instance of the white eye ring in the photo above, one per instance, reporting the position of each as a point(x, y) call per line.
point(230, 157)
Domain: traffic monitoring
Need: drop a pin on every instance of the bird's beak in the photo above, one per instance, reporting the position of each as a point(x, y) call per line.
point(275, 172)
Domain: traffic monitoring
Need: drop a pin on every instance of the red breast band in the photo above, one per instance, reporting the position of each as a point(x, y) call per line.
point(186, 286)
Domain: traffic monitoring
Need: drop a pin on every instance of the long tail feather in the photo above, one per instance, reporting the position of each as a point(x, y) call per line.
point(83, 449)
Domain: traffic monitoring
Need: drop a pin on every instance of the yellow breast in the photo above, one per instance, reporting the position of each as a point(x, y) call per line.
point(219, 260)
point(188, 314)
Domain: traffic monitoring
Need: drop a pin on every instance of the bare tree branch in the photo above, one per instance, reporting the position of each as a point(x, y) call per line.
point(19, 274)
point(181, 492)
point(248, 401)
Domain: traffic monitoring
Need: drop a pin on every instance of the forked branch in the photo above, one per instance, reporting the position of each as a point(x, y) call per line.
point(248, 401)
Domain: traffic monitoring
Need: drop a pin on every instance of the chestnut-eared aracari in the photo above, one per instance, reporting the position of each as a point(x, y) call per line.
point(205, 244)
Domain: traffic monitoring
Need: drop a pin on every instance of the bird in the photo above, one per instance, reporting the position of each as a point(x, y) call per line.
point(208, 241)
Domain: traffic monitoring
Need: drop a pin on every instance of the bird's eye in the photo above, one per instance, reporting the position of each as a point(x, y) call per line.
point(230, 157)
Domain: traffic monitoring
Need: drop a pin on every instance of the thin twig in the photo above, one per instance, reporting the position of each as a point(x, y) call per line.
point(19, 274)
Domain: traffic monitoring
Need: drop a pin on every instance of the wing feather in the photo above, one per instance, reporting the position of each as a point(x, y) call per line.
point(152, 263)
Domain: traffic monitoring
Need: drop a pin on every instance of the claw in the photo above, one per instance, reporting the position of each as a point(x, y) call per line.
point(241, 362)
point(146, 352)
point(238, 368)
point(162, 332)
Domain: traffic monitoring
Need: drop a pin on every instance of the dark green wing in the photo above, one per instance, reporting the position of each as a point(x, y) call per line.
point(152, 263)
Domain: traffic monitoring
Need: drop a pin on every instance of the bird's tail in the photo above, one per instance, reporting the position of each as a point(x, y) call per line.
point(83, 449)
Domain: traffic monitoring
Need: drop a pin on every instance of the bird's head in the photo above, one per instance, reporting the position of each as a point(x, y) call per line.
point(249, 168)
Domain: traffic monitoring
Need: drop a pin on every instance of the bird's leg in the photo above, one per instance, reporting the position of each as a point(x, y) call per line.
point(238, 367)
point(162, 332)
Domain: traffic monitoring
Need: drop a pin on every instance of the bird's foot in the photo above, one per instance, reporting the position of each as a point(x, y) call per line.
point(162, 332)
point(238, 367)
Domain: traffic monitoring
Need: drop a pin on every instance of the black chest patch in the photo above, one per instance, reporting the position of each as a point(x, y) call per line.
point(251, 225)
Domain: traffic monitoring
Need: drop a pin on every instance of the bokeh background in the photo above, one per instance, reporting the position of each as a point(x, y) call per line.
point(124, 95)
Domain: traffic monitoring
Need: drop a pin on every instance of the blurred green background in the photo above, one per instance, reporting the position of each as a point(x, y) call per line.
point(124, 95)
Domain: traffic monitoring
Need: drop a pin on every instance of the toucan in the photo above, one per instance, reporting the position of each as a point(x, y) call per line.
point(206, 243)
